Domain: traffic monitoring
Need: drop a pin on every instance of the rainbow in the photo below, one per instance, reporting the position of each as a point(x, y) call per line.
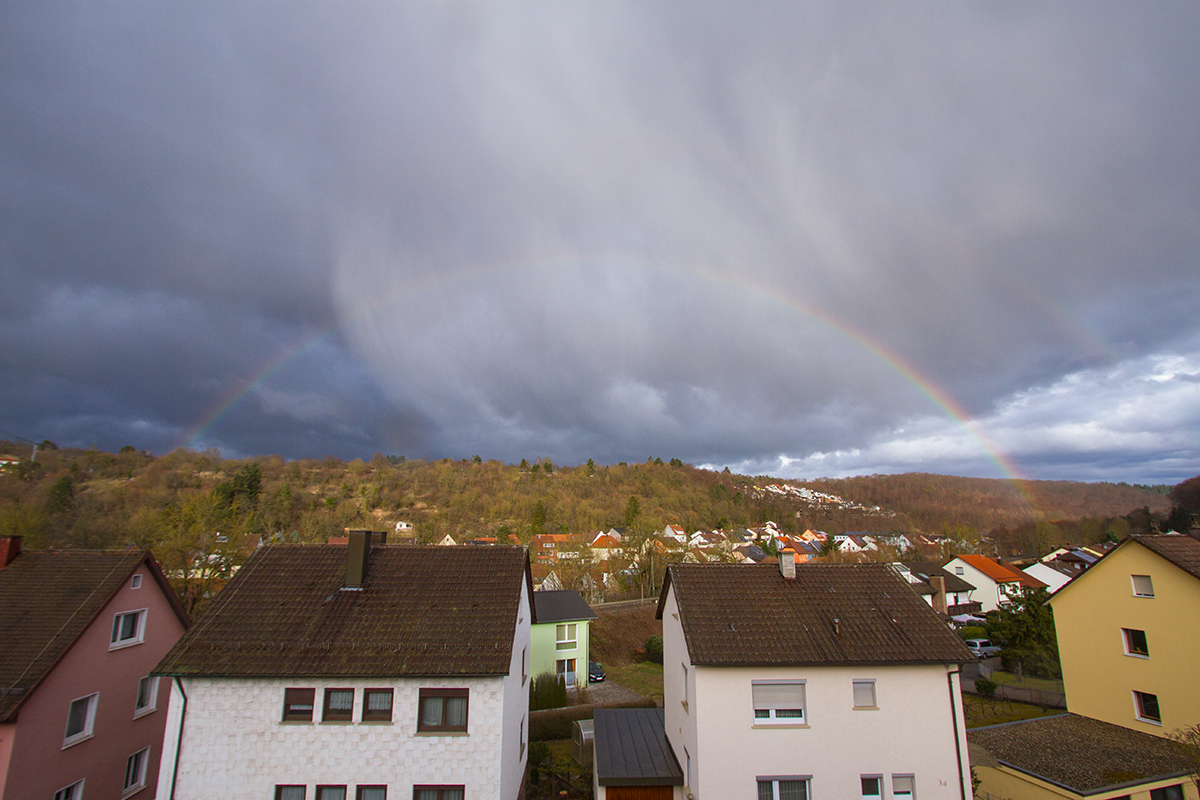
point(878, 351)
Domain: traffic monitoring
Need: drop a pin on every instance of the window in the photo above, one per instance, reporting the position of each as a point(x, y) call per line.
point(371, 793)
point(565, 637)
point(522, 738)
point(135, 582)
point(781, 702)
point(1142, 586)
point(566, 668)
point(1167, 793)
point(298, 705)
point(903, 787)
point(789, 788)
point(864, 694)
point(437, 793)
point(958, 570)
point(377, 705)
point(872, 786)
point(128, 628)
point(1135, 643)
point(72, 792)
point(685, 687)
point(80, 717)
point(443, 710)
point(1147, 707)
point(135, 772)
point(289, 792)
point(339, 705)
point(147, 696)
point(524, 665)
point(331, 793)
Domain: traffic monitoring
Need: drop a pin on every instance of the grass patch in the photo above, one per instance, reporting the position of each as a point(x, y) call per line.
point(980, 712)
point(618, 634)
point(1029, 682)
point(643, 677)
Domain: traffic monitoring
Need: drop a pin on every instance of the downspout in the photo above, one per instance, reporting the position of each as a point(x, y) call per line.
point(953, 713)
point(179, 738)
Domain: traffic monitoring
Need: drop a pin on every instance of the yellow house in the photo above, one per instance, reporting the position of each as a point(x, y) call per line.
point(1129, 635)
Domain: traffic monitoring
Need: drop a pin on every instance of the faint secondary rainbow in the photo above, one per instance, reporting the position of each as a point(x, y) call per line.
point(940, 399)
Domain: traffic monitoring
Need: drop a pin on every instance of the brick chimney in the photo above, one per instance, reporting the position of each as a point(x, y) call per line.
point(787, 563)
point(10, 548)
point(938, 584)
point(357, 559)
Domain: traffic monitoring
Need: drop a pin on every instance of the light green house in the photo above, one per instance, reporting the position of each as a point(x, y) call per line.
point(560, 640)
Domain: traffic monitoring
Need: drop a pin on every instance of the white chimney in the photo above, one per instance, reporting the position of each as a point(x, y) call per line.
point(787, 563)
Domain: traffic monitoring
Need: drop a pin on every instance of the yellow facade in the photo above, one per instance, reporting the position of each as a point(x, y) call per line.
point(1091, 616)
point(1003, 783)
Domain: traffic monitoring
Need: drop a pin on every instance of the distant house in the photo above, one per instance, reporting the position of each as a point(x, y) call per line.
point(848, 687)
point(1055, 574)
point(366, 672)
point(995, 582)
point(945, 592)
point(675, 532)
point(560, 642)
point(80, 631)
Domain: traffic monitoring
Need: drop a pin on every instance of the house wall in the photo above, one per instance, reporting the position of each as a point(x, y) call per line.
point(515, 697)
point(1006, 782)
point(7, 734)
point(916, 730)
point(38, 764)
point(234, 744)
point(1099, 677)
point(1053, 579)
point(544, 653)
point(987, 592)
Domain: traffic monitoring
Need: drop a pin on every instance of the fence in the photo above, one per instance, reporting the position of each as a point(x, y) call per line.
point(1037, 697)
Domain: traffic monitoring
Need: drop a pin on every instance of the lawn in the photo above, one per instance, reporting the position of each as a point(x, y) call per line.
point(642, 677)
point(980, 712)
point(1029, 682)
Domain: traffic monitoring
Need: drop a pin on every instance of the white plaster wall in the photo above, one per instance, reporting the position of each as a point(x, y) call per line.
point(912, 732)
point(1053, 579)
point(680, 722)
point(516, 707)
point(234, 744)
point(986, 591)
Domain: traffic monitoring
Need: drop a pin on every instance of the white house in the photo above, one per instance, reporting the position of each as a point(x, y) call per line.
point(818, 680)
point(996, 583)
point(360, 671)
point(1050, 573)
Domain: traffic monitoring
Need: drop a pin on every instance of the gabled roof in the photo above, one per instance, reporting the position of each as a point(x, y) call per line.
point(561, 605)
point(1181, 550)
point(1081, 754)
point(928, 569)
point(999, 571)
point(47, 599)
point(421, 611)
point(750, 615)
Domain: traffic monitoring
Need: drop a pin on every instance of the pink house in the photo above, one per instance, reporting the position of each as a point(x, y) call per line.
point(80, 630)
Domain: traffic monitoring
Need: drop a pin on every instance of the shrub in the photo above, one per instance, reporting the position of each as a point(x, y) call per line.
point(547, 691)
point(972, 632)
point(654, 649)
point(985, 688)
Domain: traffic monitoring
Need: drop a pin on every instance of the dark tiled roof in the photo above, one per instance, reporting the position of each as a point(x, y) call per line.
point(632, 748)
point(1182, 551)
point(928, 569)
point(422, 611)
point(47, 599)
point(1082, 754)
point(750, 615)
point(556, 606)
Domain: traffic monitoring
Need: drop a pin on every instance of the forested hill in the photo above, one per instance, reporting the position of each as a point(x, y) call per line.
point(78, 498)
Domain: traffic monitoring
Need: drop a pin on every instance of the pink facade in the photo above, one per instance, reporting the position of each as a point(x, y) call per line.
point(39, 761)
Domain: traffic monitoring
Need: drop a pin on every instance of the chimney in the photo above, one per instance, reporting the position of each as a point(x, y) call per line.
point(357, 556)
point(10, 548)
point(787, 563)
point(938, 584)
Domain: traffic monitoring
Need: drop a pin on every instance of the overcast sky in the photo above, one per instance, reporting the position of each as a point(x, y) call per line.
point(796, 240)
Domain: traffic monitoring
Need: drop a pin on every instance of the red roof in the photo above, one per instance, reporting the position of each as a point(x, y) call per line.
point(1001, 572)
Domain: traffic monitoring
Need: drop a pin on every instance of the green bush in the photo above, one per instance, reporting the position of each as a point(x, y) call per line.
point(547, 691)
point(654, 649)
point(1041, 662)
point(985, 688)
point(555, 724)
point(972, 632)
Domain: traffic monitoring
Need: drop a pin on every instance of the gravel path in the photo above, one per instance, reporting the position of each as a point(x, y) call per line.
point(609, 692)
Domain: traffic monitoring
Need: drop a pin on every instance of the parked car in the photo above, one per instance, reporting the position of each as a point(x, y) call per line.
point(595, 672)
point(982, 648)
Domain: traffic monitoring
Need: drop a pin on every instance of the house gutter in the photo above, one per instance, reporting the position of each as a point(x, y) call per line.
point(953, 713)
point(179, 737)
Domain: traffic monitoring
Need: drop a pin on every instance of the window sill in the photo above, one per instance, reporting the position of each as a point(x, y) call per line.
point(132, 791)
point(144, 712)
point(780, 725)
point(440, 733)
point(76, 740)
point(336, 722)
point(1157, 722)
point(1144, 656)
point(866, 708)
point(123, 645)
point(685, 706)
point(375, 722)
point(295, 722)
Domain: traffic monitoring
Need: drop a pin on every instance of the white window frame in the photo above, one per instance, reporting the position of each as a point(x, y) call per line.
point(89, 720)
point(775, 780)
point(566, 636)
point(72, 792)
point(900, 794)
point(867, 682)
point(135, 582)
point(685, 686)
point(772, 716)
point(1138, 708)
point(1127, 640)
point(138, 762)
point(139, 632)
point(151, 696)
point(1147, 588)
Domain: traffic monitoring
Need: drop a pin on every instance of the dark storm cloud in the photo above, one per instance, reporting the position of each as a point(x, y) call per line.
point(760, 237)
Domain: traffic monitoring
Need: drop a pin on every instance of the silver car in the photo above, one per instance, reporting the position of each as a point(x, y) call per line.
point(982, 648)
